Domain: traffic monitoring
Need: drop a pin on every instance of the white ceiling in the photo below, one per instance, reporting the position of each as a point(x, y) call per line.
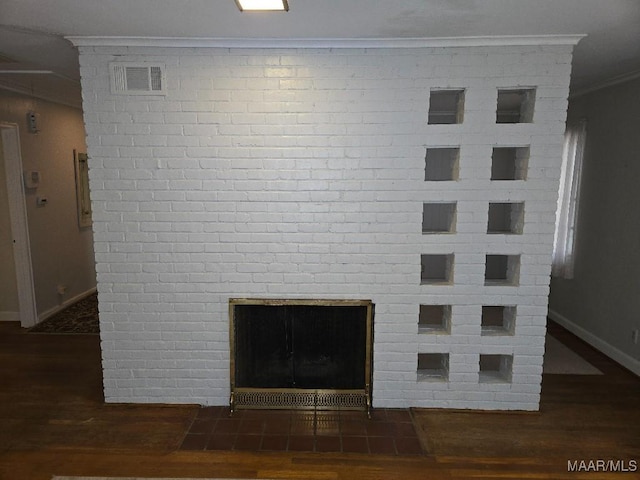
point(32, 31)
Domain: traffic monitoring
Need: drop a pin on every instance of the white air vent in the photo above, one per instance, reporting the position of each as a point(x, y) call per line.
point(137, 79)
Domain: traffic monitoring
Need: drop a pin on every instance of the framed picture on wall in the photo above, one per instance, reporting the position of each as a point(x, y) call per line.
point(82, 188)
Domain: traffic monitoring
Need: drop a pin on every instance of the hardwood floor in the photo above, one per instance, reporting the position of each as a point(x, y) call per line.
point(53, 421)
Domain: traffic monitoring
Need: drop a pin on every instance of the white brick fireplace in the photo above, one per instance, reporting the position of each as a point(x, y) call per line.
point(370, 170)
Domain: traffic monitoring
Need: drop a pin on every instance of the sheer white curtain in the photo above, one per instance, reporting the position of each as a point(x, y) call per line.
point(567, 212)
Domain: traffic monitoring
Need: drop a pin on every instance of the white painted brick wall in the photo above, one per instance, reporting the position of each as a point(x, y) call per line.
point(299, 173)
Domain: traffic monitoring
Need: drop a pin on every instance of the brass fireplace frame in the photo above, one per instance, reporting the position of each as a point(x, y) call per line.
point(301, 398)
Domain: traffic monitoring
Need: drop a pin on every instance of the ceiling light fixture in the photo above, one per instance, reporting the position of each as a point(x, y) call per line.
point(248, 5)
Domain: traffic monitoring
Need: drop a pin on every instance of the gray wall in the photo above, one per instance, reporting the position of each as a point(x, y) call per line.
point(602, 302)
point(61, 252)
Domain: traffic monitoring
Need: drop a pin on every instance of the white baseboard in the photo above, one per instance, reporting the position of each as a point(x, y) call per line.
point(609, 350)
point(9, 316)
point(52, 311)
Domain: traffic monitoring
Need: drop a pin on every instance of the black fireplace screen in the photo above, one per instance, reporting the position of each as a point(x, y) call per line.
point(303, 354)
point(300, 346)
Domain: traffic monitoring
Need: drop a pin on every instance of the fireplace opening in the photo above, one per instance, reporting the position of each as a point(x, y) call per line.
point(301, 353)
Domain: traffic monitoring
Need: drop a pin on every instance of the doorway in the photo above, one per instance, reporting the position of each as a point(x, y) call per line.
point(17, 215)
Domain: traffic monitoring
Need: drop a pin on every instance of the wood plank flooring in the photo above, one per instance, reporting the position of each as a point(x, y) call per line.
point(53, 421)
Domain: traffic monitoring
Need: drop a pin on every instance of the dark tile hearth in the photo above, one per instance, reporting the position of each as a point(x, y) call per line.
point(389, 431)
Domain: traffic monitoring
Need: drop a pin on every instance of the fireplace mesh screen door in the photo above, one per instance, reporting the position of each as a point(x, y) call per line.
point(301, 353)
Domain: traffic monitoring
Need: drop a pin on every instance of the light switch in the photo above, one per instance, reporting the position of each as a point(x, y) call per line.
point(32, 122)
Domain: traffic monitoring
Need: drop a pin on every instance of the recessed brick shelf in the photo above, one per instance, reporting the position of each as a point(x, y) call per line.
point(509, 163)
point(433, 366)
point(434, 319)
point(506, 218)
point(515, 105)
point(446, 107)
point(502, 270)
point(442, 164)
point(498, 320)
point(439, 217)
point(388, 432)
point(495, 368)
point(436, 269)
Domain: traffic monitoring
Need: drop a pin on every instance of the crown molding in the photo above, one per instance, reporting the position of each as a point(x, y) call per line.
point(617, 80)
point(204, 42)
point(53, 97)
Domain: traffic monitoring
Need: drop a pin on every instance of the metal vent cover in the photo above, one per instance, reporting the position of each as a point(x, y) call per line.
point(137, 78)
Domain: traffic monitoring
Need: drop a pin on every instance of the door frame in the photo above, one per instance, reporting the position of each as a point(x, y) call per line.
point(19, 224)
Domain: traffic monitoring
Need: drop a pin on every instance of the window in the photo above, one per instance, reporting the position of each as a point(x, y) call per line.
point(567, 211)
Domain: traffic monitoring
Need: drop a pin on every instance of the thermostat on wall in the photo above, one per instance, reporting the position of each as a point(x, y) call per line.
point(32, 179)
